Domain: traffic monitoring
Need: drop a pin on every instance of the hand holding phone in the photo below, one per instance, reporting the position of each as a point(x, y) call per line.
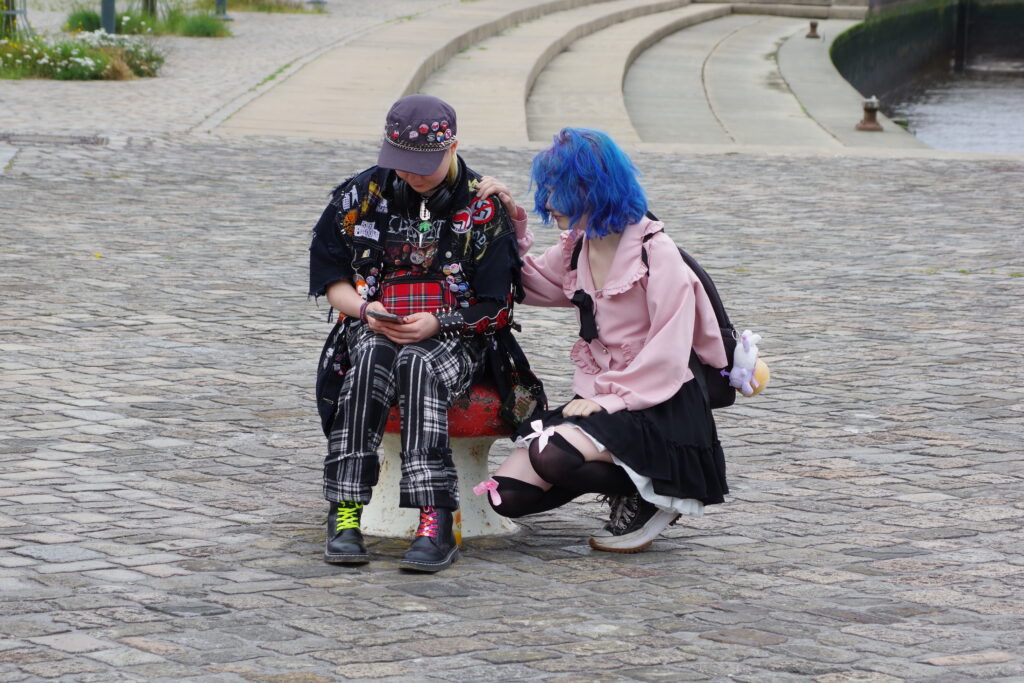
point(384, 315)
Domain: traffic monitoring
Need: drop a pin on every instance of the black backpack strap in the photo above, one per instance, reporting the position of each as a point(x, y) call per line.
point(643, 252)
point(697, 368)
point(575, 260)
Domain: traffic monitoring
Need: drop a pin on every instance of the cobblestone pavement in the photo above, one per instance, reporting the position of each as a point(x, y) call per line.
point(160, 516)
point(204, 79)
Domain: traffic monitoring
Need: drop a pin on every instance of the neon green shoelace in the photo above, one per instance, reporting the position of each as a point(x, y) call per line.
point(347, 516)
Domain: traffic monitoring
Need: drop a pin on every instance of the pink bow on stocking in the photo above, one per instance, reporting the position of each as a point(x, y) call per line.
point(491, 487)
point(541, 433)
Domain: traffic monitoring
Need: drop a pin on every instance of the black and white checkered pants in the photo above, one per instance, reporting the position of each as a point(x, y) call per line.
point(424, 378)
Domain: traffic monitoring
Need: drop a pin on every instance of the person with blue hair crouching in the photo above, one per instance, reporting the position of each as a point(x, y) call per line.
point(639, 429)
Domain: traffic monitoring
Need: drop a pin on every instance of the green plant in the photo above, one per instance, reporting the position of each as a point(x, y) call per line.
point(8, 20)
point(136, 24)
point(287, 6)
point(83, 19)
point(205, 26)
point(85, 56)
point(175, 21)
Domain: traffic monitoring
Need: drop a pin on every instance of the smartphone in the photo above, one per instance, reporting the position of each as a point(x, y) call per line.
point(381, 315)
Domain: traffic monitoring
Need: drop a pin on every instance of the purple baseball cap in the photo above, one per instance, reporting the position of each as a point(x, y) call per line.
point(418, 130)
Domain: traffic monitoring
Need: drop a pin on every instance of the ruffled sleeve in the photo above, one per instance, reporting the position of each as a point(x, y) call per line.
point(677, 305)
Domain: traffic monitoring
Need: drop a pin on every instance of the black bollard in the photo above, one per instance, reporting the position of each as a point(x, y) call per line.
point(108, 16)
point(221, 7)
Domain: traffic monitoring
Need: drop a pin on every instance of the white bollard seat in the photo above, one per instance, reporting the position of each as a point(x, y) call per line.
point(473, 426)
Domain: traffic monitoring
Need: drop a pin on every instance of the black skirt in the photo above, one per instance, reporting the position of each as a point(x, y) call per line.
point(674, 443)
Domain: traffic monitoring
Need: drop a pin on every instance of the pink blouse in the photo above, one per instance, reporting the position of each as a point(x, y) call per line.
point(646, 324)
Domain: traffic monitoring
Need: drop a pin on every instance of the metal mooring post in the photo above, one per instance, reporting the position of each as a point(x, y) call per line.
point(107, 16)
point(870, 120)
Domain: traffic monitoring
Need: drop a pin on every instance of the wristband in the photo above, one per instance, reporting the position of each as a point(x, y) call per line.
point(362, 311)
point(452, 323)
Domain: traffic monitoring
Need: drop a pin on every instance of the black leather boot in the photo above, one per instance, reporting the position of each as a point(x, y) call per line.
point(435, 546)
point(344, 539)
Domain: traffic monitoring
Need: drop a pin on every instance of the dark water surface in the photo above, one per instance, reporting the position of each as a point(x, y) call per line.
point(979, 110)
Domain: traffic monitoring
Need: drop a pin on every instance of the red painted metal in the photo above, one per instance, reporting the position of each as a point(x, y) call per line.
point(475, 414)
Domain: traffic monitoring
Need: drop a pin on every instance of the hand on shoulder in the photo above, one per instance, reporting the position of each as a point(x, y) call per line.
point(489, 186)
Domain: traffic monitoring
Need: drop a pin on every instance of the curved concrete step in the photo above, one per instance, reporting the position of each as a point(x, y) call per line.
point(345, 93)
point(749, 97)
point(488, 84)
point(664, 88)
point(583, 85)
point(808, 11)
point(727, 82)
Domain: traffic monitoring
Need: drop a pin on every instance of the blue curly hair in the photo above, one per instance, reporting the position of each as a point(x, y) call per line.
point(585, 174)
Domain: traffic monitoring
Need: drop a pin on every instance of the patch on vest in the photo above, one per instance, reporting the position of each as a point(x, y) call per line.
point(366, 229)
point(350, 199)
point(483, 211)
point(461, 222)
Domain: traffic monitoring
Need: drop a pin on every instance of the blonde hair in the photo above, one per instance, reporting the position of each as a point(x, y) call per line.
point(453, 168)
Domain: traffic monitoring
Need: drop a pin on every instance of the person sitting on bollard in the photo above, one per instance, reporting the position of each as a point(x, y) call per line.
point(639, 429)
point(424, 270)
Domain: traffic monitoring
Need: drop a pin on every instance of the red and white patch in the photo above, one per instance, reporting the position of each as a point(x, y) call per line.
point(483, 211)
point(461, 222)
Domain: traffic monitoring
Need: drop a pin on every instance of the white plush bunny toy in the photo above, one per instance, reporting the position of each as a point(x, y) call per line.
point(744, 360)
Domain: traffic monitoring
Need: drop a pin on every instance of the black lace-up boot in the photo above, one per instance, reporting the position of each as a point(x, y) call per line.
point(344, 538)
point(436, 544)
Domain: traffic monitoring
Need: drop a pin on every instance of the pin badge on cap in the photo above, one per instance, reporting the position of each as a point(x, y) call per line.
point(417, 132)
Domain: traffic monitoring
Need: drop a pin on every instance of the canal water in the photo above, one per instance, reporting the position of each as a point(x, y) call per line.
point(978, 110)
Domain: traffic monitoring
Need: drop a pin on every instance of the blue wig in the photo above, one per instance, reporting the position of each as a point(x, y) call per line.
point(584, 175)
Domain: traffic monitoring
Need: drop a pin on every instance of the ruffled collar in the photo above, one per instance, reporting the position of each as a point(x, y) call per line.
point(627, 265)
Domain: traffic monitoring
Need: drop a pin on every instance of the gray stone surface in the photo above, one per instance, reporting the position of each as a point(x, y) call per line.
point(159, 490)
point(160, 514)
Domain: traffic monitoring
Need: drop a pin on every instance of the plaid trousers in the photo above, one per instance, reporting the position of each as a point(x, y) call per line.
point(424, 378)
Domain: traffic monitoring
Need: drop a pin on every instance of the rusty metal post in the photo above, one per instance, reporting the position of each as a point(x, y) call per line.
point(813, 33)
point(870, 120)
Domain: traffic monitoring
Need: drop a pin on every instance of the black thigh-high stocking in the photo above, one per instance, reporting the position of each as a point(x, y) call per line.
point(561, 464)
point(519, 498)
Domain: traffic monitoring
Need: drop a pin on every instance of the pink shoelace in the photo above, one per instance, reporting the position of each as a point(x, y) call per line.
point(428, 522)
